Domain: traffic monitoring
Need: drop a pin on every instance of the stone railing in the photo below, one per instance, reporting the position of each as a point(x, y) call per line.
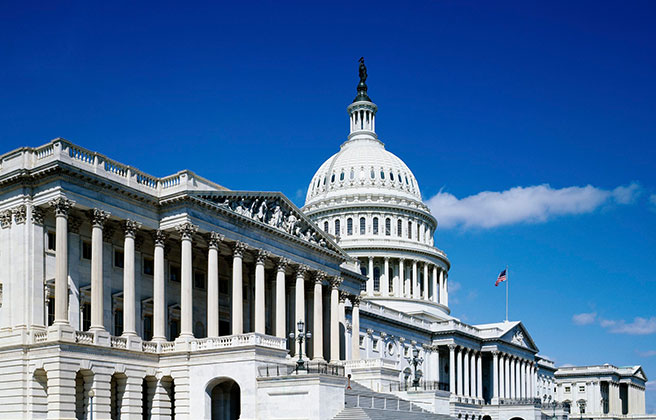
point(83, 337)
point(373, 308)
point(240, 340)
point(118, 342)
point(40, 336)
point(367, 363)
point(149, 347)
point(318, 368)
point(537, 402)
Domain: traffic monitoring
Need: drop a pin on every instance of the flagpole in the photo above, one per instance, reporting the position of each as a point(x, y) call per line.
point(507, 283)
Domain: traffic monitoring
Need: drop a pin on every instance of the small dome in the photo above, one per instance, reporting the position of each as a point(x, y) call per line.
point(363, 166)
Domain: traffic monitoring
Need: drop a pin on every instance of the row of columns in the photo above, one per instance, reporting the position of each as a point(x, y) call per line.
point(466, 372)
point(186, 231)
point(514, 377)
point(435, 288)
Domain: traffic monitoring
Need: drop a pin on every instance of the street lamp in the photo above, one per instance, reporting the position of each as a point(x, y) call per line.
point(300, 325)
point(91, 395)
point(415, 361)
point(581, 404)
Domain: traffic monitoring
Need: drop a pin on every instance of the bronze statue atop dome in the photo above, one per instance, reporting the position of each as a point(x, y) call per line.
point(362, 86)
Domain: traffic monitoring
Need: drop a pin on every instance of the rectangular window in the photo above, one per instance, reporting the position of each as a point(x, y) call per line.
point(375, 226)
point(568, 389)
point(349, 226)
point(223, 286)
point(399, 228)
point(409, 230)
point(118, 322)
point(86, 250)
point(363, 226)
point(148, 266)
point(118, 258)
point(148, 327)
point(174, 273)
point(51, 241)
point(337, 231)
point(582, 388)
point(388, 227)
point(199, 280)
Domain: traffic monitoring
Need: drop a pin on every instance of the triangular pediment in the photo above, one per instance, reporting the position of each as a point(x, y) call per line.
point(274, 211)
point(519, 336)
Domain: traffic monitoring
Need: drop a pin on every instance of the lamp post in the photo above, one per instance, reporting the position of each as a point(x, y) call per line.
point(415, 361)
point(91, 395)
point(581, 404)
point(302, 335)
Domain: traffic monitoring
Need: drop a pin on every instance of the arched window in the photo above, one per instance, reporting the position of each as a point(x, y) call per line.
point(375, 226)
point(406, 180)
point(349, 226)
point(391, 176)
point(377, 278)
point(324, 180)
point(363, 226)
point(372, 174)
point(332, 178)
point(352, 173)
point(325, 227)
point(399, 228)
point(382, 174)
point(388, 227)
point(337, 230)
point(341, 176)
point(409, 229)
point(399, 178)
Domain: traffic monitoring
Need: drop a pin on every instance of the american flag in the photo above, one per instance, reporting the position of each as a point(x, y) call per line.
point(502, 277)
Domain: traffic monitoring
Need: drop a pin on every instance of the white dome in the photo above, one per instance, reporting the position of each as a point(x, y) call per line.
point(363, 166)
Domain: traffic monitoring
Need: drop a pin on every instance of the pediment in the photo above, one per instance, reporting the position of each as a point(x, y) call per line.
point(519, 336)
point(273, 210)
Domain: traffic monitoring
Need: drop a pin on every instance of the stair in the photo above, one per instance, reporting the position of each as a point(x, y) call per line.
point(361, 403)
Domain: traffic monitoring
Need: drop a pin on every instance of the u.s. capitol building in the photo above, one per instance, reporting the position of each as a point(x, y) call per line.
point(127, 296)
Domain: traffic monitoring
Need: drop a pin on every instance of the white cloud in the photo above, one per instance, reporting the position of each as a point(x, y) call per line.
point(648, 353)
point(651, 385)
point(584, 318)
point(652, 199)
point(532, 204)
point(639, 326)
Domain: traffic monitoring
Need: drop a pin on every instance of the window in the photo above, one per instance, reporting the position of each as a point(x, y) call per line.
point(375, 226)
point(568, 389)
point(382, 174)
point(148, 327)
point(174, 273)
point(118, 259)
point(582, 388)
point(324, 180)
point(363, 226)
point(148, 266)
point(337, 231)
point(199, 280)
point(332, 178)
point(406, 180)
point(377, 278)
point(349, 226)
point(352, 173)
point(86, 250)
point(341, 176)
point(409, 230)
point(325, 227)
point(372, 174)
point(51, 239)
point(391, 176)
point(388, 227)
point(399, 228)
point(118, 322)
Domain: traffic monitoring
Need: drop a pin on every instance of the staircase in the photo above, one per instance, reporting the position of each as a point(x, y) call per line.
point(361, 403)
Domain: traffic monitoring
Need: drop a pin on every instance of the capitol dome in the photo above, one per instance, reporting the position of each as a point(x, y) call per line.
point(370, 201)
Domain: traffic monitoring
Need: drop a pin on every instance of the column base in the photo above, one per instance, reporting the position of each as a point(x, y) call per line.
point(495, 401)
point(61, 332)
point(101, 337)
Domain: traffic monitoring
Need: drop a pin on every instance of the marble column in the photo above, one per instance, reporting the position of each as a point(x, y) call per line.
point(300, 305)
point(98, 219)
point(355, 328)
point(459, 371)
point(506, 377)
point(159, 299)
point(385, 281)
point(317, 306)
point(237, 288)
point(186, 231)
point(513, 378)
point(438, 375)
point(435, 286)
point(62, 207)
point(445, 301)
point(334, 318)
point(281, 330)
point(260, 306)
point(403, 290)
point(129, 287)
point(479, 376)
point(452, 368)
point(415, 282)
point(213, 240)
point(370, 277)
point(495, 375)
point(426, 294)
point(441, 281)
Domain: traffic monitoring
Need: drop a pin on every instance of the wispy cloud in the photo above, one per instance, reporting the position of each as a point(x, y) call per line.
point(639, 326)
point(534, 204)
point(584, 318)
point(652, 199)
point(648, 353)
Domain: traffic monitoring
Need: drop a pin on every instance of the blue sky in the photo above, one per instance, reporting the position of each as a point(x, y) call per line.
point(530, 128)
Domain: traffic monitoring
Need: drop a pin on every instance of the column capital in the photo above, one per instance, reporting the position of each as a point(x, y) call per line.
point(302, 270)
point(37, 215)
point(261, 256)
point(5, 219)
point(20, 214)
point(355, 300)
point(452, 347)
point(343, 296)
point(214, 239)
point(386, 259)
point(186, 230)
point(336, 281)
point(98, 217)
point(238, 249)
point(281, 264)
point(159, 237)
point(62, 205)
point(495, 353)
point(131, 227)
point(319, 277)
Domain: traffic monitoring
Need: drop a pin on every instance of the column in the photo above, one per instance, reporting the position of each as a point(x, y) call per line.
point(415, 285)
point(385, 281)
point(441, 282)
point(260, 309)
point(526, 380)
point(355, 329)
point(213, 241)
point(452, 368)
point(445, 301)
point(459, 371)
point(317, 334)
point(402, 289)
point(535, 381)
point(506, 377)
point(300, 304)
point(129, 292)
point(334, 318)
point(465, 363)
point(186, 230)
point(370, 278)
point(513, 378)
point(342, 323)
point(237, 288)
point(426, 295)
point(435, 289)
point(518, 379)
point(495, 376)
point(438, 374)
point(159, 300)
point(98, 219)
point(479, 376)
point(280, 298)
point(62, 206)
